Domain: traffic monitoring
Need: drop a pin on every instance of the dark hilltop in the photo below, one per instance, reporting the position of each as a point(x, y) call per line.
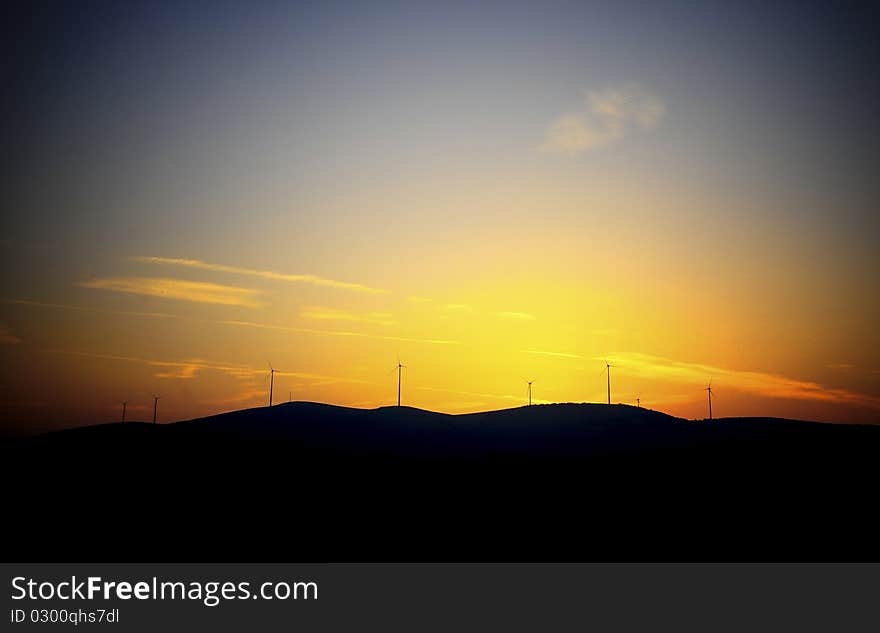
point(569, 482)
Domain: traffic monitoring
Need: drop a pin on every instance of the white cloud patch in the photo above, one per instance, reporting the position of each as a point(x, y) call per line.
point(608, 116)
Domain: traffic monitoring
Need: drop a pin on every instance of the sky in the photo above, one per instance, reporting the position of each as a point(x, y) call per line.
point(488, 192)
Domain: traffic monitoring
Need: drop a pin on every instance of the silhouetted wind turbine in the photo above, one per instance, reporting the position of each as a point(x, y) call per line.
point(123, 411)
point(709, 391)
point(271, 382)
point(638, 402)
point(530, 391)
point(608, 367)
point(400, 366)
point(155, 406)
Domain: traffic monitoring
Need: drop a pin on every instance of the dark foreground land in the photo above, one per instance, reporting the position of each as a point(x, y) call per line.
point(310, 482)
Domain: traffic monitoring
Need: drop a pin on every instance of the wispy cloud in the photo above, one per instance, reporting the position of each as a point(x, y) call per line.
point(333, 314)
point(758, 383)
point(190, 368)
point(63, 306)
point(178, 289)
point(314, 280)
point(608, 115)
point(7, 337)
point(167, 368)
point(546, 353)
point(492, 396)
point(840, 366)
point(179, 369)
point(417, 299)
point(516, 316)
point(183, 371)
point(285, 328)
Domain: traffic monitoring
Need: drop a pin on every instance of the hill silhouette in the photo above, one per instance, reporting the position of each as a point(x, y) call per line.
point(314, 482)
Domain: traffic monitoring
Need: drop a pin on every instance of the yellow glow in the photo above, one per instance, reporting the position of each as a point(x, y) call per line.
point(510, 306)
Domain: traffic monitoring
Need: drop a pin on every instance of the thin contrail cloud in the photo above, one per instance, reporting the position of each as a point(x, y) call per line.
point(189, 368)
point(264, 326)
point(320, 313)
point(546, 353)
point(477, 394)
point(177, 289)
point(314, 280)
point(302, 330)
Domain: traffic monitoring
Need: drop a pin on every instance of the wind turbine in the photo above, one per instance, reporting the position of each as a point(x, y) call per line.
point(400, 366)
point(709, 391)
point(530, 391)
point(608, 367)
point(639, 402)
point(155, 406)
point(124, 404)
point(271, 382)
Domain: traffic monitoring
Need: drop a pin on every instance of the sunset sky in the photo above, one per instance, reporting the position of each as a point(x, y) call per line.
point(491, 192)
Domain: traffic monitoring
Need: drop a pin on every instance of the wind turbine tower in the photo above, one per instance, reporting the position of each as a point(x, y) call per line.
point(271, 382)
point(400, 366)
point(530, 391)
point(123, 411)
point(709, 391)
point(608, 367)
point(155, 407)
